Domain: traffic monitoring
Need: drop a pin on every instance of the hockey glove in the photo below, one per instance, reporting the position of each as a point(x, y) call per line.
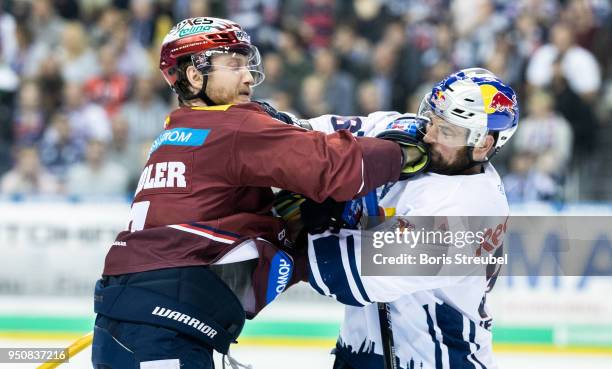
point(408, 131)
point(302, 214)
point(330, 215)
point(283, 116)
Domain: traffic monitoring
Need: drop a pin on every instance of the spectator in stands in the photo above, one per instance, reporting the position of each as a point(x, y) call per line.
point(29, 119)
point(527, 34)
point(353, 51)
point(368, 98)
point(110, 88)
point(526, 184)
point(371, 18)
point(78, 61)
point(576, 65)
point(297, 66)
point(339, 89)
point(313, 102)
point(30, 55)
point(126, 153)
point(102, 30)
point(97, 176)
point(60, 148)
point(318, 23)
point(384, 63)
point(573, 75)
point(28, 176)
point(88, 120)
point(547, 136)
point(8, 38)
point(476, 23)
point(133, 59)
point(45, 23)
point(145, 112)
point(275, 77)
point(49, 78)
point(143, 21)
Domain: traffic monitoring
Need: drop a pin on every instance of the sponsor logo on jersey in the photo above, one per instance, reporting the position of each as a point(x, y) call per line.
point(180, 137)
point(281, 269)
point(185, 319)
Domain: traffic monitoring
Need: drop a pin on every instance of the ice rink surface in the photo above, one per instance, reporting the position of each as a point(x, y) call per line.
point(308, 358)
point(283, 355)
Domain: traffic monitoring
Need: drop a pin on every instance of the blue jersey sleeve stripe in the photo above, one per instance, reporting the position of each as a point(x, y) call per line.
point(450, 322)
point(329, 261)
point(432, 333)
point(350, 246)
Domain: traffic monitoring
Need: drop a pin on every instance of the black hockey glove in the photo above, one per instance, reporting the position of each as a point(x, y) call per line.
point(408, 131)
point(330, 215)
point(283, 116)
point(302, 214)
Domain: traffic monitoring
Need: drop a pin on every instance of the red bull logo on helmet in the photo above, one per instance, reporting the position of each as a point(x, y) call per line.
point(496, 101)
point(439, 100)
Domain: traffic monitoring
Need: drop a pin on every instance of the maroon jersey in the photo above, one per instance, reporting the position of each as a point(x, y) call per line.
point(206, 186)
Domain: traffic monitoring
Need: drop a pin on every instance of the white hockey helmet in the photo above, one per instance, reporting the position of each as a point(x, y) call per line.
point(476, 100)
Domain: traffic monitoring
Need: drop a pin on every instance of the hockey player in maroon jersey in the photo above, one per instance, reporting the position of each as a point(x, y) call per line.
point(202, 250)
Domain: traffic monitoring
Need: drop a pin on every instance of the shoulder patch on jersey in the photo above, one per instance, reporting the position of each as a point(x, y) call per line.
point(180, 137)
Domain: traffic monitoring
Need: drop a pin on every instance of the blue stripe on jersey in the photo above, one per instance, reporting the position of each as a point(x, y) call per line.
point(371, 203)
point(432, 333)
point(216, 230)
point(329, 261)
point(473, 340)
point(350, 248)
point(450, 322)
point(313, 282)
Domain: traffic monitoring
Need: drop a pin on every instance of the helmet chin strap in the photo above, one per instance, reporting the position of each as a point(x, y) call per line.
point(471, 162)
point(202, 93)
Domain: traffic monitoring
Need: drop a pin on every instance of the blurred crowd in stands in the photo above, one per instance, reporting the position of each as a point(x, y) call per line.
point(81, 97)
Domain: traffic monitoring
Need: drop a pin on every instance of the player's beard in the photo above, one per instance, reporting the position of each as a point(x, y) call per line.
point(458, 164)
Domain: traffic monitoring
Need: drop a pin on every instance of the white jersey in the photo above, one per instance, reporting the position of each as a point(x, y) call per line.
point(439, 322)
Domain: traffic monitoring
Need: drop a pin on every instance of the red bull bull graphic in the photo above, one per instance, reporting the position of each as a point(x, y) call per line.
point(496, 101)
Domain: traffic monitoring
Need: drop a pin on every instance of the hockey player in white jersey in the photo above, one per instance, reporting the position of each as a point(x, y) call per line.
point(439, 322)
